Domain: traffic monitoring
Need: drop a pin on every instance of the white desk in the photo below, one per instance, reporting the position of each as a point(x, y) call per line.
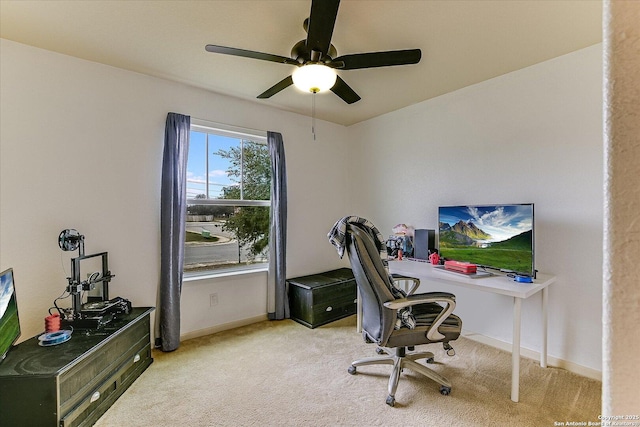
point(495, 284)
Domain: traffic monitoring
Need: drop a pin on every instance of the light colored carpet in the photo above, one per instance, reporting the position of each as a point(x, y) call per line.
point(284, 374)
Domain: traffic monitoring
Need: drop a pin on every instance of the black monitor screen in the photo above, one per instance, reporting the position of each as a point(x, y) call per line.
point(494, 236)
point(9, 323)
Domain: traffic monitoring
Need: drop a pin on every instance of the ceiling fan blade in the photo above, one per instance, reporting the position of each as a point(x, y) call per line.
point(282, 84)
point(249, 54)
point(344, 91)
point(379, 59)
point(321, 22)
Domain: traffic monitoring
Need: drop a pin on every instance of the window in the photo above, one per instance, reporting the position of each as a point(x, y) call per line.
point(228, 200)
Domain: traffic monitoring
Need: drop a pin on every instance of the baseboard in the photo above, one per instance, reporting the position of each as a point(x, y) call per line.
point(535, 355)
point(222, 327)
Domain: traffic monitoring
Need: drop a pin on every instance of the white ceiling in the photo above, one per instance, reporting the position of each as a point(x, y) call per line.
point(462, 42)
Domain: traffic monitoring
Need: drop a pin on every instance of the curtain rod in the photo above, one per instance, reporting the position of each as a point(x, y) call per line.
point(229, 128)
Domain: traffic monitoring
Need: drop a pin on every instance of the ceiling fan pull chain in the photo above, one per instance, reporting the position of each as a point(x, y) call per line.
point(313, 115)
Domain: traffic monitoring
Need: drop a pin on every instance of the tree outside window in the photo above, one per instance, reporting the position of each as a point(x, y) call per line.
point(228, 191)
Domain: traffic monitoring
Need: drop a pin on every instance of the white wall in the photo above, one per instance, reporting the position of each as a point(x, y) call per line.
point(81, 147)
point(621, 321)
point(534, 135)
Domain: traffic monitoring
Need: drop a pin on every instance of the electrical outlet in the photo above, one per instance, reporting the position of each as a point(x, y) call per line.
point(213, 299)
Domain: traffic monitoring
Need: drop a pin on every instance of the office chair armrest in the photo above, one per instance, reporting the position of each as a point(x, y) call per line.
point(444, 297)
point(437, 297)
point(400, 278)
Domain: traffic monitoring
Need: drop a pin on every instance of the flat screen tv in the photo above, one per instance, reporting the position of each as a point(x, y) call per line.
point(9, 323)
point(499, 237)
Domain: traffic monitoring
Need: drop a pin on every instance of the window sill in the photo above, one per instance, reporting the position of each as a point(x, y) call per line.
point(206, 275)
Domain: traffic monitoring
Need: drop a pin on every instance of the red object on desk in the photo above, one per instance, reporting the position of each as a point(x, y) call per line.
point(462, 267)
point(434, 258)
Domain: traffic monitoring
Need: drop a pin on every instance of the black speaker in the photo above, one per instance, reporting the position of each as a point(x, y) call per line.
point(423, 242)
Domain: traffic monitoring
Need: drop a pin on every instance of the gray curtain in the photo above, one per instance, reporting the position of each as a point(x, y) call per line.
point(173, 206)
point(278, 302)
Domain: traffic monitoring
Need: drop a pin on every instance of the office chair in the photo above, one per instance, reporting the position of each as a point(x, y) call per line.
point(434, 322)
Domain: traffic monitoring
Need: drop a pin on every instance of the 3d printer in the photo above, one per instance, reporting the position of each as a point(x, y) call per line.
point(98, 309)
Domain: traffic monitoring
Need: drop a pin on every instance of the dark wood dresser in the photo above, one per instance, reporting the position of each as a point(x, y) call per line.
point(321, 298)
point(74, 383)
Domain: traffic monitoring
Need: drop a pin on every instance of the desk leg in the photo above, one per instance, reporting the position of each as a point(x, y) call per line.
point(543, 347)
point(515, 351)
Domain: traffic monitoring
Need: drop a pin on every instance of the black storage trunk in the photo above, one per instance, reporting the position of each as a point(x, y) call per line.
point(322, 298)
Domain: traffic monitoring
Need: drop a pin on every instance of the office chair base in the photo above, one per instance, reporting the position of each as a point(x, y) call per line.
point(400, 361)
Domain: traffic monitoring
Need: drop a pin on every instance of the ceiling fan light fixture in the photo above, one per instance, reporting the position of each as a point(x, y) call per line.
point(314, 78)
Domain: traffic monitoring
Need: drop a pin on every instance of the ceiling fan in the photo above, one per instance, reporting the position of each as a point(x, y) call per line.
point(316, 57)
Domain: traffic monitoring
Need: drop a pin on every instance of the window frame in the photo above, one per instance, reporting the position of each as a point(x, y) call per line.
point(229, 131)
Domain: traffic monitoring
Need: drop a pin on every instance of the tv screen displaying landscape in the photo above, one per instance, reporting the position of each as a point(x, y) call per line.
point(494, 236)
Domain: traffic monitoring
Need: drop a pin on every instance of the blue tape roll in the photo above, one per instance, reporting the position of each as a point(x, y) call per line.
point(523, 279)
point(54, 338)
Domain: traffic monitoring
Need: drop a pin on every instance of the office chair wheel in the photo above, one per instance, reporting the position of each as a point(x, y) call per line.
point(430, 360)
point(391, 401)
point(449, 349)
point(352, 370)
point(444, 390)
point(380, 350)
